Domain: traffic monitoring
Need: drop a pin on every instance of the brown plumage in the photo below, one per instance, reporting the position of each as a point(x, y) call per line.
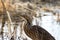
point(36, 32)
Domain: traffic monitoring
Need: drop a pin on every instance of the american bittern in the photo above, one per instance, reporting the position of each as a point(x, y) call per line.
point(36, 32)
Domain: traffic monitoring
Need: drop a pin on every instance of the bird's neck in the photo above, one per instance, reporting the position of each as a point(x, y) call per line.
point(28, 19)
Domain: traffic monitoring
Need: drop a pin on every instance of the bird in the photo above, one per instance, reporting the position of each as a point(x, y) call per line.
point(36, 32)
